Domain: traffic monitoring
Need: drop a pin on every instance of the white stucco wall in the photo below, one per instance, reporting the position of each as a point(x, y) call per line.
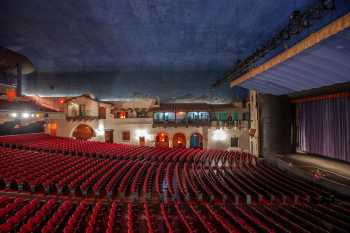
point(221, 138)
point(91, 107)
point(144, 126)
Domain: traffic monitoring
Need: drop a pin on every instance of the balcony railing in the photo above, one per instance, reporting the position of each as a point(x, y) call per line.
point(199, 123)
point(180, 123)
point(230, 123)
point(135, 120)
point(81, 118)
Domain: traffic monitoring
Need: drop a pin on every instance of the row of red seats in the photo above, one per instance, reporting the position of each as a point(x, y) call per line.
point(43, 142)
point(54, 173)
point(22, 138)
point(34, 215)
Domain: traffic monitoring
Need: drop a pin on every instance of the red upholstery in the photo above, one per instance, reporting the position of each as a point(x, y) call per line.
point(143, 189)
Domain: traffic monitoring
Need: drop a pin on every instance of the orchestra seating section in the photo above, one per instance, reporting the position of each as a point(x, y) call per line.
point(51, 184)
point(50, 215)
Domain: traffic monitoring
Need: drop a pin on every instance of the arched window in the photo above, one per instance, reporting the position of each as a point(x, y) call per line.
point(196, 141)
point(179, 140)
point(162, 140)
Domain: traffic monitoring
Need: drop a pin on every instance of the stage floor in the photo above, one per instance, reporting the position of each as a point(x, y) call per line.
point(336, 172)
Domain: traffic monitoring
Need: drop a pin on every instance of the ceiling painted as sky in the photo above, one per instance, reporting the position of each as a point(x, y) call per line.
point(201, 38)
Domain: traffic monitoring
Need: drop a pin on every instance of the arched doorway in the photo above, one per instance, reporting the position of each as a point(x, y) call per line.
point(196, 141)
point(83, 132)
point(162, 140)
point(179, 140)
point(52, 128)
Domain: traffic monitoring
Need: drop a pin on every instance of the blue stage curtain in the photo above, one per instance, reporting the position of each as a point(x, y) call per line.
point(324, 127)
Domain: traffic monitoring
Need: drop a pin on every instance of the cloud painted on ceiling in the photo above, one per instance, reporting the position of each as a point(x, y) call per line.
point(88, 35)
point(128, 48)
point(168, 86)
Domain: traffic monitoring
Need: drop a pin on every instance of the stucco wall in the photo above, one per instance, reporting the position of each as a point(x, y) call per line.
point(65, 128)
point(224, 142)
point(144, 127)
point(91, 107)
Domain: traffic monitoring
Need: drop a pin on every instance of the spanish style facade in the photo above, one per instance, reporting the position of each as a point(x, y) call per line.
point(150, 123)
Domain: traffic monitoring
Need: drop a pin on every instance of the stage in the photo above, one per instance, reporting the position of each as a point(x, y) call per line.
point(332, 174)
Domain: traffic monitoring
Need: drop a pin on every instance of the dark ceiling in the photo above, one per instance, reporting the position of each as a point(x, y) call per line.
point(85, 35)
point(156, 36)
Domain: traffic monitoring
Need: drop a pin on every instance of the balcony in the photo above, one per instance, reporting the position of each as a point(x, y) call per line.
point(82, 116)
point(55, 116)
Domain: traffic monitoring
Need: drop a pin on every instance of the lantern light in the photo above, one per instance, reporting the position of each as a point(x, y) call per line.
point(11, 94)
point(219, 135)
point(14, 114)
point(25, 115)
point(142, 133)
point(100, 131)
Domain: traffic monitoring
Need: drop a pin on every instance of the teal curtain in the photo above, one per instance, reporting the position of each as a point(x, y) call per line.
point(157, 116)
point(222, 116)
point(235, 116)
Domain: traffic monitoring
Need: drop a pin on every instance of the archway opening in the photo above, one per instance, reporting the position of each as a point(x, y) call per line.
point(196, 141)
point(52, 128)
point(83, 132)
point(179, 140)
point(162, 140)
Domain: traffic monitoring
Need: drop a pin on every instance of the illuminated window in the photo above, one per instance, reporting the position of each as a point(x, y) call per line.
point(203, 115)
point(122, 115)
point(157, 116)
point(169, 116)
point(192, 115)
point(198, 116)
point(52, 128)
point(180, 115)
point(142, 141)
point(73, 110)
point(164, 116)
point(126, 135)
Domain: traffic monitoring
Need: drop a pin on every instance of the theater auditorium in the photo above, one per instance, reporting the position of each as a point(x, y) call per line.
point(175, 116)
